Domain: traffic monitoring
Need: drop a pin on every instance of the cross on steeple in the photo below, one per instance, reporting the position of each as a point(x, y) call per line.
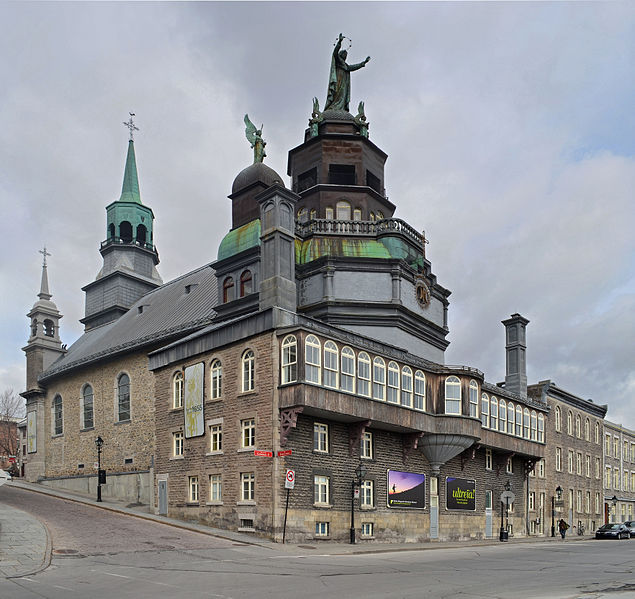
point(45, 254)
point(130, 124)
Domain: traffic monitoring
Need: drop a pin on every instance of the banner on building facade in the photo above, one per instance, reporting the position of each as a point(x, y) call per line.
point(406, 490)
point(460, 494)
point(31, 432)
point(193, 404)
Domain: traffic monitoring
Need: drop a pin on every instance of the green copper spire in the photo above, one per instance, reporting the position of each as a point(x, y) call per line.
point(130, 188)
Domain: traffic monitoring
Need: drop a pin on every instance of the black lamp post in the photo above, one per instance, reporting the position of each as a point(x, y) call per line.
point(99, 442)
point(614, 502)
point(553, 509)
point(504, 533)
point(360, 473)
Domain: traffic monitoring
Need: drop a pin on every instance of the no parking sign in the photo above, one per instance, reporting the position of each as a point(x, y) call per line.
point(289, 479)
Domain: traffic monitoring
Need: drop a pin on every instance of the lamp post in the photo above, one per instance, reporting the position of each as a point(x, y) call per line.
point(614, 502)
point(504, 532)
point(99, 442)
point(553, 509)
point(360, 473)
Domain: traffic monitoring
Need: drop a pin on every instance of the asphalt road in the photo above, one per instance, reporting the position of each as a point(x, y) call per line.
point(109, 555)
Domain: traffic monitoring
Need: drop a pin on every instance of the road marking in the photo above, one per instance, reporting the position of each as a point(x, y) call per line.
point(117, 575)
point(55, 586)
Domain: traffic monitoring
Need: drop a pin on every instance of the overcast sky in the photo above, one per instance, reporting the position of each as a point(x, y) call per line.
point(509, 129)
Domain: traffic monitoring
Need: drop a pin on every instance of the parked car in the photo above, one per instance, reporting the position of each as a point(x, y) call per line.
point(630, 524)
point(5, 476)
point(615, 530)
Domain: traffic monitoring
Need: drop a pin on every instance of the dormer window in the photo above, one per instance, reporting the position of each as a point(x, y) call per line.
point(245, 283)
point(228, 290)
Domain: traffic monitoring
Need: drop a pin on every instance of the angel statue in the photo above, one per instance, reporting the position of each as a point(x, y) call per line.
point(254, 137)
point(339, 91)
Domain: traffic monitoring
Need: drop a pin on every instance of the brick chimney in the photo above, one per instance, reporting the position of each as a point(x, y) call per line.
point(515, 358)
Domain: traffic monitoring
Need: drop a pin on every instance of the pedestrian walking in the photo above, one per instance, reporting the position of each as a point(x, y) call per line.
point(562, 527)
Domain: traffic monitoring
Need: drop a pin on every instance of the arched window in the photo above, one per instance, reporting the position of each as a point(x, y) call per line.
point(502, 416)
point(406, 386)
point(87, 407)
point(249, 371)
point(58, 415)
point(392, 391)
point(379, 379)
point(343, 210)
point(452, 395)
point(519, 421)
point(357, 214)
point(328, 212)
point(216, 374)
point(331, 359)
point(473, 399)
point(302, 215)
point(289, 359)
point(228, 290)
point(125, 231)
point(569, 423)
point(420, 390)
point(510, 418)
point(313, 214)
point(485, 410)
point(493, 412)
point(597, 432)
point(587, 431)
point(111, 231)
point(347, 375)
point(245, 283)
point(558, 419)
point(380, 215)
point(123, 398)
point(526, 423)
point(177, 390)
point(578, 427)
point(534, 426)
point(312, 360)
point(371, 216)
point(541, 428)
point(363, 374)
point(49, 328)
point(142, 233)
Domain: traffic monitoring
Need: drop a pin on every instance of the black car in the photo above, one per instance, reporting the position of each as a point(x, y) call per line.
point(630, 524)
point(612, 531)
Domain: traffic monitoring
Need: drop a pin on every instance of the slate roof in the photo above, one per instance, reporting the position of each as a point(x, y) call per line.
point(164, 313)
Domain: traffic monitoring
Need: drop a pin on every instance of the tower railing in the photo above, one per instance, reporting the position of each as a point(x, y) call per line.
point(121, 241)
point(362, 228)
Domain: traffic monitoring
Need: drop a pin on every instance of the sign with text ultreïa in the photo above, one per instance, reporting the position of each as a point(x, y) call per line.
point(460, 494)
point(406, 490)
point(193, 404)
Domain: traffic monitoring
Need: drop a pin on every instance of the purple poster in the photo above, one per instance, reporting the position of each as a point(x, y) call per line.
point(406, 489)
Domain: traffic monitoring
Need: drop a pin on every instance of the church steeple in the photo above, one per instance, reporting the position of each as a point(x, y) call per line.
point(130, 256)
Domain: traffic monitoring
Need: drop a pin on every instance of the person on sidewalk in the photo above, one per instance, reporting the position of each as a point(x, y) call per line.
point(562, 527)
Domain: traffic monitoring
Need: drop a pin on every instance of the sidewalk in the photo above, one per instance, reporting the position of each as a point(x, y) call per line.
point(25, 545)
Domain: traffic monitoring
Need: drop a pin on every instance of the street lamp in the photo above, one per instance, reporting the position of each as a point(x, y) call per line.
point(99, 442)
point(614, 502)
point(553, 509)
point(504, 533)
point(360, 474)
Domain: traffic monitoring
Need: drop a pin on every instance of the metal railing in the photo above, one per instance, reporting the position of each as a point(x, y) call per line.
point(364, 228)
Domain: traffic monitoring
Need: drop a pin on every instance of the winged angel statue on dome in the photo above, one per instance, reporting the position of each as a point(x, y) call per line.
point(254, 137)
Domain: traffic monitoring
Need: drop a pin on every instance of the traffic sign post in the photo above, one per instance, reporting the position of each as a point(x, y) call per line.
point(289, 483)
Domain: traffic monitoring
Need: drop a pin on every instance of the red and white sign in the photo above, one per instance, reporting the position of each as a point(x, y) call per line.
point(289, 479)
point(284, 452)
point(263, 454)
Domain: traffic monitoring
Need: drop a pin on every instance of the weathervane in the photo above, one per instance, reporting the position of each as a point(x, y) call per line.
point(45, 254)
point(130, 124)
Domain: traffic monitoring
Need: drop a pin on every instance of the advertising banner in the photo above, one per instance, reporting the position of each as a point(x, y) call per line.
point(406, 490)
point(31, 432)
point(194, 425)
point(460, 494)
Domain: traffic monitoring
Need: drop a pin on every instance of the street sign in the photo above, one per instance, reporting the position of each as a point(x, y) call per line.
point(95, 465)
point(289, 479)
point(284, 452)
point(507, 497)
point(263, 454)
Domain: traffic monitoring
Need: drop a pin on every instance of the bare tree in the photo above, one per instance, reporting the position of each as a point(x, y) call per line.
point(11, 410)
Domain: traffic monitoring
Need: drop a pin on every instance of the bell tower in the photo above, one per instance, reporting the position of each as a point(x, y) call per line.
point(129, 253)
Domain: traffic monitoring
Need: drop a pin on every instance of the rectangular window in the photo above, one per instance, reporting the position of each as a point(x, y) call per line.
point(322, 529)
point(597, 503)
point(616, 479)
point(541, 469)
point(578, 464)
point(607, 477)
point(215, 487)
point(633, 481)
point(597, 467)
point(320, 437)
point(587, 503)
point(632, 452)
point(616, 447)
point(366, 449)
point(488, 499)
point(607, 445)
point(248, 433)
point(247, 486)
point(532, 501)
point(193, 489)
point(216, 438)
point(321, 490)
point(342, 174)
point(177, 444)
point(579, 501)
point(488, 459)
point(587, 463)
point(558, 459)
point(367, 529)
point(625, 456)
point(509, 467)
point(570, 461)
point(367, 496)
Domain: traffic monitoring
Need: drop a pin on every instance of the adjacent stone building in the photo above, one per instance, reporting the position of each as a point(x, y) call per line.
point(619, 473)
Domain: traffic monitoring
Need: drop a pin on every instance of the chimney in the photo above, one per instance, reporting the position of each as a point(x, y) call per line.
point(515, 358)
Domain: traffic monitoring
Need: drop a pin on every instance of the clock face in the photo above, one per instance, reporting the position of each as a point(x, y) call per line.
point(422, 292)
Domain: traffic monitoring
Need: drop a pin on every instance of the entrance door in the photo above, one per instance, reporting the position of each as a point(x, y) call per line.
point(163, 497)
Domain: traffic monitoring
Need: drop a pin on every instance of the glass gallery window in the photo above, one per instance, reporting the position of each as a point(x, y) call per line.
point(473, 399)
point(347, 377)
point(379, 379)
point(289, 359)
point(312, 362)
point(420, 390)
point(363, 374)
point(331, 359)
point(452, 395)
